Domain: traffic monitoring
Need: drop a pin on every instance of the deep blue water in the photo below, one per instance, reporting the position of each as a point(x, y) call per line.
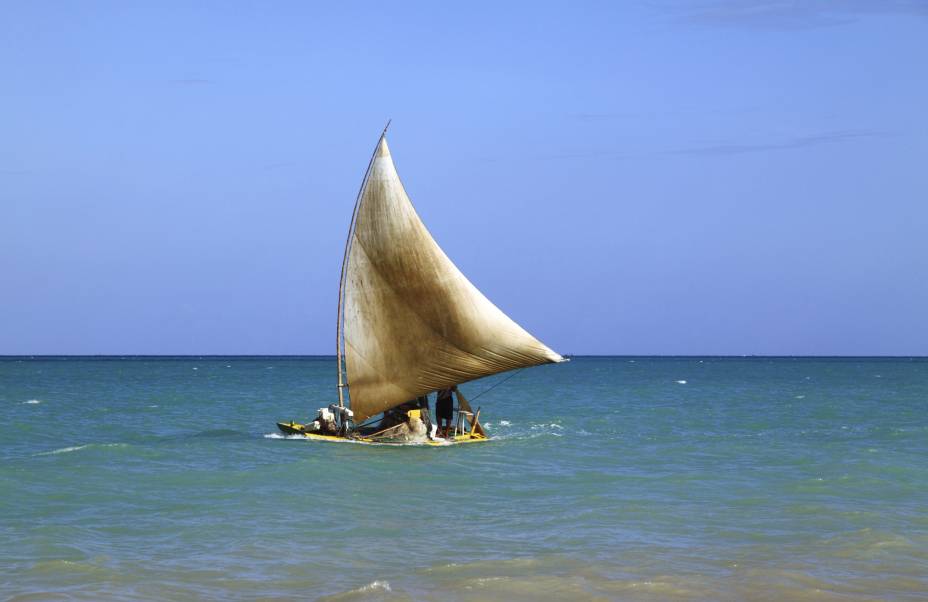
point(608, 478)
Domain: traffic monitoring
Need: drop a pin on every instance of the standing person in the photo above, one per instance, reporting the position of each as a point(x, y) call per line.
point(444, 411)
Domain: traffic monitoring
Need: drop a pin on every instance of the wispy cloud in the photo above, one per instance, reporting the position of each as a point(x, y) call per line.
point(786, 14)
point(730, 148)
point(777, 145)
point(604, 116)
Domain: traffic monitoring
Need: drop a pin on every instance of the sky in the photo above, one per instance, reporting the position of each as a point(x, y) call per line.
point(659, 177)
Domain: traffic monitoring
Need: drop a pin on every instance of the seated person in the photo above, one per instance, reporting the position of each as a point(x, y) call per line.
point(396, 415)
point(426, 414)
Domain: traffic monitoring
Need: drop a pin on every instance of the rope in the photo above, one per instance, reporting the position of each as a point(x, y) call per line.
point(487, 390)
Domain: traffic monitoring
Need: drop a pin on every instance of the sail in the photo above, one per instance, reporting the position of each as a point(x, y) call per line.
point(412, 322)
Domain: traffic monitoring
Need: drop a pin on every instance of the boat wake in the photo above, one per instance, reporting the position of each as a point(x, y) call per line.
point(290, 437)
point(505, 430)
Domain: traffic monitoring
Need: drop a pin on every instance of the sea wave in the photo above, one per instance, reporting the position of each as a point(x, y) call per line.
point(74, 448)
point(376, 586)
point(364, 592)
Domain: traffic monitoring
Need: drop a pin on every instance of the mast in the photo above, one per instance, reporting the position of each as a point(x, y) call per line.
point(339, 327)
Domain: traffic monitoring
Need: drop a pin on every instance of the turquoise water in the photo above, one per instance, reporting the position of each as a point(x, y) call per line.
point(608, 478)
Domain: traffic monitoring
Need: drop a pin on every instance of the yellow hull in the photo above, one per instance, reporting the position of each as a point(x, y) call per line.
point(465, 438)
point(438, 443)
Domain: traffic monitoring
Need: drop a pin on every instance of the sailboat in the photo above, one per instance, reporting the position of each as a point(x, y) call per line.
point(409, 324)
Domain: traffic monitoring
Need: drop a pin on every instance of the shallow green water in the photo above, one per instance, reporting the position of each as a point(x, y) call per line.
point(608, 478)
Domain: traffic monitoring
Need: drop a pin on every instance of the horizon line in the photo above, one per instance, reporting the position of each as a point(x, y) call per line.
point(332, 356)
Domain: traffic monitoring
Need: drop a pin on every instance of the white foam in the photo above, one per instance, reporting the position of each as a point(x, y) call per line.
point(681, 382)
point(800, 397)
point(74, 448)
point(540, 430)
point(525, 436)
point(33, 402)
point(383, 586)
point(504, 423)
point(63, 450)
point(195, 368)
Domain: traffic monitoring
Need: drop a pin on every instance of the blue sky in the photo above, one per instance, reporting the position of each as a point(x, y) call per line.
point(662, 177)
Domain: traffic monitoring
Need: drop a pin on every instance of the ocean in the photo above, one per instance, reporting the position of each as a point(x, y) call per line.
point(608, 478)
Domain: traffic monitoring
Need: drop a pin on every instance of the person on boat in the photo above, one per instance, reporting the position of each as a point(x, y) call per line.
point(426, 415)
point(444, 411)
point(405, 422)
point(397, 415)
point(324, 424)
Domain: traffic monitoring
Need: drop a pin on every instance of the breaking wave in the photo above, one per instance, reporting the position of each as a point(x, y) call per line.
point(63, 450)
point(373, 586)
point(376, 588)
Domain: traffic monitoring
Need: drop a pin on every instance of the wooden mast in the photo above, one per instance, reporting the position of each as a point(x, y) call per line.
point(339, 328)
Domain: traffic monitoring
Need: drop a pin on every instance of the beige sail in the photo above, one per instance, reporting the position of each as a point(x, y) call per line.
point(412, 322)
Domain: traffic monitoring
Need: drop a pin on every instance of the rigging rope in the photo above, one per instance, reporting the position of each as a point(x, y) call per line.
point(495, 385)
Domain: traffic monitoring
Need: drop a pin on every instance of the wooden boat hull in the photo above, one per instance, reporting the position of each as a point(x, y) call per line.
point(296, 429)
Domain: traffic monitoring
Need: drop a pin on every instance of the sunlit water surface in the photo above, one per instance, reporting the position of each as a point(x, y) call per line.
point(607, 478)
